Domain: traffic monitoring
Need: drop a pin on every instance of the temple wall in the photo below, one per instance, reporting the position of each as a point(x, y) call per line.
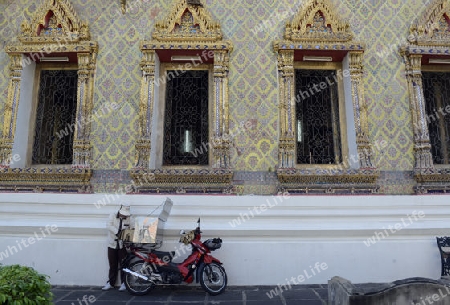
point(252, 26)
point(288, 238)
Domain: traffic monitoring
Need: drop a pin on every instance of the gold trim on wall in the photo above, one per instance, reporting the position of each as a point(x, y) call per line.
point(426, 37)
point(317, 27)
point(54, 28)
point(188, 27)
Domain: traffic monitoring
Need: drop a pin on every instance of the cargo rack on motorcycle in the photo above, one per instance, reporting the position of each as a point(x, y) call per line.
point(148, 230)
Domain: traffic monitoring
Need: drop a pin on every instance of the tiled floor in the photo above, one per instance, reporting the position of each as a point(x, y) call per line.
point(178, 295)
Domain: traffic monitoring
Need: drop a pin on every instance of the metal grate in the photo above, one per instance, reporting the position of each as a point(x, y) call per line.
point(317, 114)
point(436, 86)
point(186, 118)
point(55, 117)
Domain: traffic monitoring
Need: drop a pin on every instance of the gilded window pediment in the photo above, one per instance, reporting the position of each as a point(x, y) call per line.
point(317, 27)
point(433, 29)
point(188, 22)
point(54, 19)
point(317, 22)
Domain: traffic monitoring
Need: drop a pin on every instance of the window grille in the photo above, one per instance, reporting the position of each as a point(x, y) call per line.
point(55, 117)
point(317, 114)
point(436, 87)
point(186, 133)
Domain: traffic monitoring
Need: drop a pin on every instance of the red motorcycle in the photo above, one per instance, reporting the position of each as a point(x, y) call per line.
point(144, 269)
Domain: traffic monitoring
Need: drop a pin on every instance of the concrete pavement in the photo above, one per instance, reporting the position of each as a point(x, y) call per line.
point(186, 295)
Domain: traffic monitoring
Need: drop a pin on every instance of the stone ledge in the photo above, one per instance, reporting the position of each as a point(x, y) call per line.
point(58, 179)
point(402, 292)
point(183, 180)
point(328, 181)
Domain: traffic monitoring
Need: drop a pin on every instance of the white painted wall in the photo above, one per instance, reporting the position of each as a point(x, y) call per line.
point(267, 249)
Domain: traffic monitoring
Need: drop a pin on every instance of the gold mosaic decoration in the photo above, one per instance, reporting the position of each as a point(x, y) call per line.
point(188, 26)
point(316, 27)
point(54, 28)
point(430, 35)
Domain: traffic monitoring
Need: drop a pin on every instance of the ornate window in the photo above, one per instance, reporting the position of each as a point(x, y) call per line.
point(50, 93)
point(183, 143)
point(324, 144)
point(427, 61)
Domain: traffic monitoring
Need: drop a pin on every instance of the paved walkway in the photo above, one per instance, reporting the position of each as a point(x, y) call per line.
point(185, 295)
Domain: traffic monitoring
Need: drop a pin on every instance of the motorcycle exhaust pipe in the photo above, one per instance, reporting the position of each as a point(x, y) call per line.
point(135, 274)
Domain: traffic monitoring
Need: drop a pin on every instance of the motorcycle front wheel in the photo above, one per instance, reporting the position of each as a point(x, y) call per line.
point(213, 278)
point(136, 285)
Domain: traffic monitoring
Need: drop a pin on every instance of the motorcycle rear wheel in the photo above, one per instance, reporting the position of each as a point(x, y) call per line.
point(213, 278)
point(136, 285)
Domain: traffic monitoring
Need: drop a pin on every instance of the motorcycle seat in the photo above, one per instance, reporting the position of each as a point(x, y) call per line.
point(162, 255)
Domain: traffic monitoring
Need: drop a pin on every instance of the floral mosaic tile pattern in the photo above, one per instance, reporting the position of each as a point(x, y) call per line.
point(252, 26)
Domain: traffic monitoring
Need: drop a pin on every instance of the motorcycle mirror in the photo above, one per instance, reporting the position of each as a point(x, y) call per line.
point(182, 232)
